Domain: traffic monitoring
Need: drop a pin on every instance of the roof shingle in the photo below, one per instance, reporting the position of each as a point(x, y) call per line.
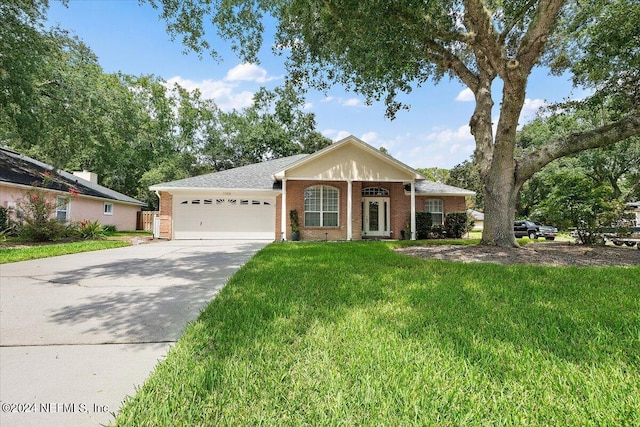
point(258, 176)
point(22, 170)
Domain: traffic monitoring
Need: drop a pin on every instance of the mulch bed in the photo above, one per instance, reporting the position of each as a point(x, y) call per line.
point(543, 253)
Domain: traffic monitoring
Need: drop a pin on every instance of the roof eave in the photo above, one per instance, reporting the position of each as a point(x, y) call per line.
point(210, 189)
point(84, 196)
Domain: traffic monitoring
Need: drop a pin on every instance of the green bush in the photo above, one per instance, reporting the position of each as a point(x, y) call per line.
point(455, 224)
point(91, 230)
point(109, 228)
point(424, 223)
point(4, 218)
point(41, 231)
point(36, 216)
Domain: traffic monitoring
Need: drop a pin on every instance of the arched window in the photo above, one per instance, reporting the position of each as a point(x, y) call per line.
point(435, 207)
point(321, 206)
point(375, 192)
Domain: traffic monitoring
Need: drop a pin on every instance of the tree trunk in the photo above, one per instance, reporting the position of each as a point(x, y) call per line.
point(500, 196)
point(496, 161)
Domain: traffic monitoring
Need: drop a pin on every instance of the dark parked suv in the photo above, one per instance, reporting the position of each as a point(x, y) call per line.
point(526, 228)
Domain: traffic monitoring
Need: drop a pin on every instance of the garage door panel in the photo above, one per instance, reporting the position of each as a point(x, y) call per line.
point(230, 218)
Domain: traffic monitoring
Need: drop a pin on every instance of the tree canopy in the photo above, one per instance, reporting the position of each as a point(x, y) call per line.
point(381, 49)
point(59, 106)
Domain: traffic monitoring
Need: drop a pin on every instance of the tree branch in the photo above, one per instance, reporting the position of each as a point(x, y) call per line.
point(515, 20)
point(438, 53)
point(486, 41)
point(533, 42)
point(450, 61)
point(600, 137)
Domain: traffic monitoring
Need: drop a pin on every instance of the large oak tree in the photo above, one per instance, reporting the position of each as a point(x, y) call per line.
point(382, 48)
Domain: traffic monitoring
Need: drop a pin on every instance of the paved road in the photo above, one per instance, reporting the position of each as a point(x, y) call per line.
point(80, 332)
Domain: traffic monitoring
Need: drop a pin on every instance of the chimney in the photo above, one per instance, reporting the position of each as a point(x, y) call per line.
point(86, 175)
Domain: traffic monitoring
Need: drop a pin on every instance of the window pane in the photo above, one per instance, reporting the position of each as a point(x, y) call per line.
point(61, 217)
point(321, 206)
point(312, 199)
point(433, 206)
point(330, 219)
point(330, 199)
point(312, 219)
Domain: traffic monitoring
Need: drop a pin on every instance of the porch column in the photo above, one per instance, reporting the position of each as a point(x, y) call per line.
point(349, 210)
point(413, 210)
point(283, 216)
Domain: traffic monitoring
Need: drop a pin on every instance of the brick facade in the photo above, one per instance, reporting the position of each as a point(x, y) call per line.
point(400, 209)
point(166, 214)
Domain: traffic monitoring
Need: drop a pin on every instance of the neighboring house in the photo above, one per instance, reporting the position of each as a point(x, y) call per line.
point(478, 219)
point(635, 207)
point(90, 201)
point(346, 191)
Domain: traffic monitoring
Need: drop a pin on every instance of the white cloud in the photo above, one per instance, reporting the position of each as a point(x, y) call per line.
point(531, 108)
point(370, 138)
point(248, 72)
point(307, 106)
point(342, 135)
point(442, 148)
point(335, 135)
point(466, 95)
point(351, 102)
point(223, 93)
point(446, 136)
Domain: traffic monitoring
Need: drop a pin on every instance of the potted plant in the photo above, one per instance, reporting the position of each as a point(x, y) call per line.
point(295, 226)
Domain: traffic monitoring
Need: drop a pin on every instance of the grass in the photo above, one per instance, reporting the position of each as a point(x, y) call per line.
point(15, 254)
point(342, 334)
point(14, 250)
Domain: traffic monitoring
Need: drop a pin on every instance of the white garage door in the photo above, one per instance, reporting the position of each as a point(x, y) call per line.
point(224, 218)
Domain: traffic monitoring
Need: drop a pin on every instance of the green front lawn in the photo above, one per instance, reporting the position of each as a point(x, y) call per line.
point(355, 334)
point(15, 254)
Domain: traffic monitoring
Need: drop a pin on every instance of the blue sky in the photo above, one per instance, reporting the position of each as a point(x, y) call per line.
point(130, 38)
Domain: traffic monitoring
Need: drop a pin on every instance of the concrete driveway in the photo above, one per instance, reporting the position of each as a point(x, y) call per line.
point(80, 332)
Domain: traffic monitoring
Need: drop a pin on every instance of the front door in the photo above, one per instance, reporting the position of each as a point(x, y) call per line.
point(375, 217)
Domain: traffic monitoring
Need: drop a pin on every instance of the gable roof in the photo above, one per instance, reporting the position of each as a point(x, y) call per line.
point(20, 170)
point(257, 176)
point(439, 189)
point(268, 175)
point(347, 164)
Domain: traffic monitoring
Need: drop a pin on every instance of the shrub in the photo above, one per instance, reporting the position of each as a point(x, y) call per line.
point(455, 224)
point(437, 232)
point(91, 230)
point(109, 228)
point(4, 218)
point(424, 223)
point(36, 213)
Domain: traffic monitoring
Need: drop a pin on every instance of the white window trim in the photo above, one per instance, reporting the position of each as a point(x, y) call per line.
point(321, 211)
point(63, 208)
point(110, 211)
point(426, 202)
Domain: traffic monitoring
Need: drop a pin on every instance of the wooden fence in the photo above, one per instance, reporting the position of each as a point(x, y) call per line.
point(145, 220)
